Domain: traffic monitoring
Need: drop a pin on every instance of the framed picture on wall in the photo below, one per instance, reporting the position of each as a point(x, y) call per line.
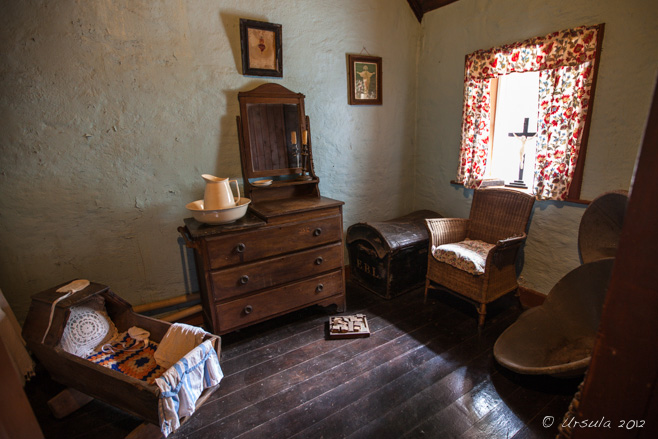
point(261, 48)
point(365, 80)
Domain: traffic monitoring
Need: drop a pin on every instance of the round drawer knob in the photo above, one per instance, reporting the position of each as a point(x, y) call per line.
point(244, 279)
point(319, 260)
point(248, 309)
point(319, 288)
point(317, 232)
point(240, 248)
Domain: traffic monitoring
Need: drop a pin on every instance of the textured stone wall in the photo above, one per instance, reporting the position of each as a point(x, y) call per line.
point(112, 110)
point(627, 75)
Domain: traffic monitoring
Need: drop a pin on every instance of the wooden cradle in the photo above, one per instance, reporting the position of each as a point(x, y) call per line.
point(122, 391)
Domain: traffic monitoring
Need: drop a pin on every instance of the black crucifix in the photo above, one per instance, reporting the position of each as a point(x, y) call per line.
point(524, 136)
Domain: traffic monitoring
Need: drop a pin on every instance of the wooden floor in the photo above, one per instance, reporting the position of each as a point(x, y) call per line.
point(425, 371)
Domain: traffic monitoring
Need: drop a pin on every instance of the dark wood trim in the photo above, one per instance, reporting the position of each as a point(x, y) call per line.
point(577, 181)
point(416, 8)
point(430, 5)
point(421, 7)
point(621, 381)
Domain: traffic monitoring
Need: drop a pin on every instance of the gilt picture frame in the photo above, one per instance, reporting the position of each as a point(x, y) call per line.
point(365, 78)
point(260, 43)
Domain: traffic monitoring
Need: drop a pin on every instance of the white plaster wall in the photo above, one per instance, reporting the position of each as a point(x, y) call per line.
point(627, 75)
point(111, 110)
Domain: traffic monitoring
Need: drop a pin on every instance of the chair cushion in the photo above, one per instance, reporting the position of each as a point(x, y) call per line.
point(469, 255)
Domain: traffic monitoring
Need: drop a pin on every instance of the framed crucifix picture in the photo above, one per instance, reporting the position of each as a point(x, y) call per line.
point(261, 48)
point(365, 80)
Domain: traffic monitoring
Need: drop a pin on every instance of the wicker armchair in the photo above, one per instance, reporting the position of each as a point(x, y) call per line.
point(496, 228)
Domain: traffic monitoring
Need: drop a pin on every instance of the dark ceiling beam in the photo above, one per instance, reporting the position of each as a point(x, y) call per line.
point(417, 8)
point(421, 7)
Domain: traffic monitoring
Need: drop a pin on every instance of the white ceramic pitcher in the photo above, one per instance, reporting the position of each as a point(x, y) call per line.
point(218, 193)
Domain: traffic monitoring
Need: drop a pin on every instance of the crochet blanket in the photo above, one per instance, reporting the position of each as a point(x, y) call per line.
point(131, 358)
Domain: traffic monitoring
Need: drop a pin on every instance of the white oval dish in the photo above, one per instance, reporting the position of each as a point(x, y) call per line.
point(262, 182)
point(218, 216)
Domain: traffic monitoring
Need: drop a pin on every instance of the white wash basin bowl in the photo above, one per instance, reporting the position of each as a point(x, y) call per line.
point(218, 216)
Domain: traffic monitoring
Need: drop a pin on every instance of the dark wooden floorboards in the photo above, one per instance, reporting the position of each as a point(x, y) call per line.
point(425, 372)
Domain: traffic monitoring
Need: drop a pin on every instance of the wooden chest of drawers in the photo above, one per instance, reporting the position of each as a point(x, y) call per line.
point(282, 256)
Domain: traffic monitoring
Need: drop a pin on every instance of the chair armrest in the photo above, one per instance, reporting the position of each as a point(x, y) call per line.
point(504, 253)
point(507, 242)
point(446, 230)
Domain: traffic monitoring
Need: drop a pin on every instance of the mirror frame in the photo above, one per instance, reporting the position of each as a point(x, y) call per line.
point(266, 94)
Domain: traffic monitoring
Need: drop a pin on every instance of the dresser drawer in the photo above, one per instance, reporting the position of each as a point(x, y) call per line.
point(260, 306)
point(245, 278)
point(229, 250)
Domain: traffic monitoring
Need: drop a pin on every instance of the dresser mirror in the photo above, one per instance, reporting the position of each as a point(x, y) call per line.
point(272, 128)
point(275, 143)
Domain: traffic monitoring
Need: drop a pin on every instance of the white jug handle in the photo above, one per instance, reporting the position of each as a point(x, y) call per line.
point(237, 188)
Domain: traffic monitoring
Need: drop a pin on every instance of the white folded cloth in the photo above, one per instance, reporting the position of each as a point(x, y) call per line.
point(182, 384)
point(178, 341)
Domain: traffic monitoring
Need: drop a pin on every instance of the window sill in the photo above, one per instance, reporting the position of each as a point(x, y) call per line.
point(529, 191)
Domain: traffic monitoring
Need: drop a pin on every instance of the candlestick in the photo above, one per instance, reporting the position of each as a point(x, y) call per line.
point(305, 158)
point(304, 137)
point(293, 137)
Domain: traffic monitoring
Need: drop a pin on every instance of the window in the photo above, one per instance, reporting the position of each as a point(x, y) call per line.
point(565, 63)
point(512, 153)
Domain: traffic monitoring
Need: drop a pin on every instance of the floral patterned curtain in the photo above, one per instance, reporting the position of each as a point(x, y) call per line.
point(565, 60)
point(475, 132)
